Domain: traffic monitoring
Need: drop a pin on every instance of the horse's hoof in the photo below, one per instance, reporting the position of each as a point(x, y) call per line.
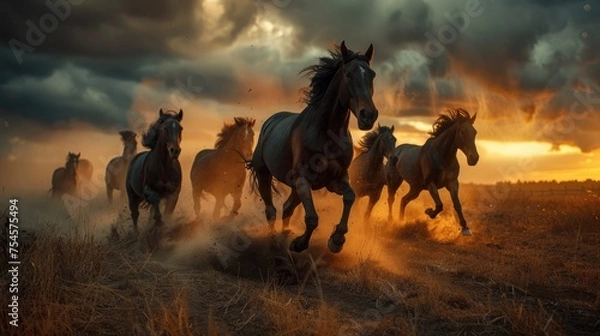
point(466, 232)
point(298, 245)
point(336, 245)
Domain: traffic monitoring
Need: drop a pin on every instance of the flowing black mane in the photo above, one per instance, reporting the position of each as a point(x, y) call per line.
point(321, 75)
point(448, 119)
point(228, 130)
point(150, 137)
point(368, 140)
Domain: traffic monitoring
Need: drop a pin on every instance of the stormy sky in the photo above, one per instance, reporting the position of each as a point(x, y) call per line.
point(529, 68)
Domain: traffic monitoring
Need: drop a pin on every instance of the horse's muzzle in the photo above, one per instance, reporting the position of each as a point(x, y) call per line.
point(366, 119)
point(472, 160)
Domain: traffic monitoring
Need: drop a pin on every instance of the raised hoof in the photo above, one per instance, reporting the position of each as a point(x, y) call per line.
point(429, 212)
point(336, 247)
point(466, 232)
point(298, 245)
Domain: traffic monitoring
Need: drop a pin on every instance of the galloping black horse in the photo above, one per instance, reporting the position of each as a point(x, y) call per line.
point(313, 149)
point(434, 165)
point(367, 176)
point(156, 174)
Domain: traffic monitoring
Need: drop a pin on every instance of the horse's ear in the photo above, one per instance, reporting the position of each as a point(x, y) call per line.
point(161, 113)
point(238, 121)
point(473, 118)
point(78, 155)
point(180, 115)
point(252, 122)
point(344, 51)
point(392, 128)
point(369, 54)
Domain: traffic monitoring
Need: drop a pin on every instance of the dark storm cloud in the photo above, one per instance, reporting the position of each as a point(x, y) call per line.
point(110, 28)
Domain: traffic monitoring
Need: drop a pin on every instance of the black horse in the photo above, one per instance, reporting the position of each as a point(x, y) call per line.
point(313, 149)
point(156, 174)
point(367, 176)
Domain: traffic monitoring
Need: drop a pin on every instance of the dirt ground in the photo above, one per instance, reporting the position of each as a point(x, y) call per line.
point(532, 267)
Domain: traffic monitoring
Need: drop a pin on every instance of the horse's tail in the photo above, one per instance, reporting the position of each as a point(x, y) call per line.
point(253, 179)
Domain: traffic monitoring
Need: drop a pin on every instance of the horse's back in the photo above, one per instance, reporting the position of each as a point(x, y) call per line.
point(273, 148)
point(408, 163)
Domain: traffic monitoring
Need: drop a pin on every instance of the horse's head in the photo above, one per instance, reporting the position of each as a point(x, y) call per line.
point(388, 143)
point(170, 132)
point(244, 136)
point(465, 140)
point(358, 78)
point(72, 161)
point(129, 143)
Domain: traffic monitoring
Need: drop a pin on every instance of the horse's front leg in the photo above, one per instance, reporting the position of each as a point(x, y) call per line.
point(337, 239)
point(153, 198)
point(439, 206)
point(453, 189)
point(311, 218)
point(171, 202)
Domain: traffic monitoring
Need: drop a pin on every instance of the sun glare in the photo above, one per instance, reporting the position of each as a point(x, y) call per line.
point(524, 148)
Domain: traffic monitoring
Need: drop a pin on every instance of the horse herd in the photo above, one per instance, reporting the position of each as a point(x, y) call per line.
point(306, 151)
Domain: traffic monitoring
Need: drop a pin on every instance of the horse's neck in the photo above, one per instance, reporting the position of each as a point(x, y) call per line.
point(374, 156)
point(129, 151)
point(445, 144)
point(70, 169)
point(333, 110)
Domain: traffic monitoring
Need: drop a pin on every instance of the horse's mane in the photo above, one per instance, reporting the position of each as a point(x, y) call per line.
point(228, 130)
point(150, 137)
point(448, 119)
point(322, 73)
point(128, 136)
point(368, 140)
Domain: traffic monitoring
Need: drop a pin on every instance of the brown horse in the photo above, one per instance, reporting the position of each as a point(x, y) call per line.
point(64, 179)
point(117, 166)
point(156, 174)
point(434, 165)
point(221, 171)
point(367, 176)
point(312, 149)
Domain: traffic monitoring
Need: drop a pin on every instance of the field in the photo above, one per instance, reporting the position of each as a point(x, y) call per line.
point(532, 267)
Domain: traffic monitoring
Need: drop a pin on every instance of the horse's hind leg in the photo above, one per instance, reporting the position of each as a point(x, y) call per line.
point(134, 203)
point(237, 202)
point(196, 197)
point(453, 189)
point(288, 208)
point(264, 178)
point(337, 239)
point(219, 202)
point(411, 195)
point(439, 206)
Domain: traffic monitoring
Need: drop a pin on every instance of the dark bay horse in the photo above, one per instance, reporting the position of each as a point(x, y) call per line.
point(312, 149)
point(222, 171)
point(156, 174)
point(434, 165)
point(116, 169)
point(64, 179)
point(367, 176)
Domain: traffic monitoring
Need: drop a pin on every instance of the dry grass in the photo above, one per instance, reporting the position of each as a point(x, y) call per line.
point(531, 268)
